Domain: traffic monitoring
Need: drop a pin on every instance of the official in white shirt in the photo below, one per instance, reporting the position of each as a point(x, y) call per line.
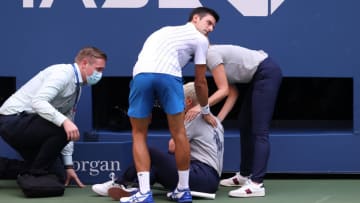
point(38, 119)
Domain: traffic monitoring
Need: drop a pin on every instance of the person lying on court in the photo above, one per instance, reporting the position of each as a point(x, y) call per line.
point(207, 149)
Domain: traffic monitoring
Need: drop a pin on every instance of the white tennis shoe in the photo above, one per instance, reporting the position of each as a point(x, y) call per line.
point(249, 189)
point(102, 188)
point(236, 180)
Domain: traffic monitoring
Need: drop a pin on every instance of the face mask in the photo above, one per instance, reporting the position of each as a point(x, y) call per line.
point(94, 78)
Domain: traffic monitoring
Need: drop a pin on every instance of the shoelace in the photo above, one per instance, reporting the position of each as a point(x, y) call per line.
point(135, 198)
point(174, 195)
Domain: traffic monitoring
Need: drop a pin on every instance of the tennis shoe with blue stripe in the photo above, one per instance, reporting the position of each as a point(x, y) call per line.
point(138, 198)
point(181, 196)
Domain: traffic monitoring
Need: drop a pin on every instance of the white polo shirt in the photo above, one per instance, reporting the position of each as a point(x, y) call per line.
point(170, 48)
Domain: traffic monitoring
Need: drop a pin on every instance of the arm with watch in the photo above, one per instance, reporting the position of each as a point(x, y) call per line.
point(201, 88)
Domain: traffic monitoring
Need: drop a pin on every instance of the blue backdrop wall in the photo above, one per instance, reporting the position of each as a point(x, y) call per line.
point(308, 38)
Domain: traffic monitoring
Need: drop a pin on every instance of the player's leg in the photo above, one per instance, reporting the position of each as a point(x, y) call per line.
point(171, 96)
point(141, 100)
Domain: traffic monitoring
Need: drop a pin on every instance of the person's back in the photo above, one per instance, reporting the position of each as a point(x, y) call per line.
point(240, 63)
point(206, 142)
point(169, 49)
point(29, 92)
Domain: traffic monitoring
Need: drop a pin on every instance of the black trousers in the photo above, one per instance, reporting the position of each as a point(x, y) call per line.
point(37, 140)
point(255, 119)
point(11, 168)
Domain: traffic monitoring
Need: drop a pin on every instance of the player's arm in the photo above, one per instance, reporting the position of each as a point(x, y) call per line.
point(201, 89)
point(201, 86)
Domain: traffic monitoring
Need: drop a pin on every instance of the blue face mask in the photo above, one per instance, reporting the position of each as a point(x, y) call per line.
point(94, 78)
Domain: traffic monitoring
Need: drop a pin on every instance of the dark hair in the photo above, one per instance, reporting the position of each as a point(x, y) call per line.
point(203, 11)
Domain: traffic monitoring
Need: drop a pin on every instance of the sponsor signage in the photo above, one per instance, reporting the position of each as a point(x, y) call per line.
point(245, 7)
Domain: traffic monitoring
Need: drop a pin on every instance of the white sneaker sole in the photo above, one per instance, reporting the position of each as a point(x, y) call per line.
point(255, 194)
point(98, 192)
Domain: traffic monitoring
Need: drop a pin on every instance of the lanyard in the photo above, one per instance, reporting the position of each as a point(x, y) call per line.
point(77, 87)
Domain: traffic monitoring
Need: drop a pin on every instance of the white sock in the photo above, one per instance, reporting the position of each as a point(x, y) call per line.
point(183, 179)
point(144, 181)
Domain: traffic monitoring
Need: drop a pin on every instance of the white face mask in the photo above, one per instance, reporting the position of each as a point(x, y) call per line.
point(94, 78)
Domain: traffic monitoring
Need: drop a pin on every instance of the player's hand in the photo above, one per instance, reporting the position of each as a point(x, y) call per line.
point(210, 119)
point(71, 174)
point(192, 113)
point(171, 146)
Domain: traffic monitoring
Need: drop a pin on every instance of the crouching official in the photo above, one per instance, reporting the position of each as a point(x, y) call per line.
point(38, 119)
